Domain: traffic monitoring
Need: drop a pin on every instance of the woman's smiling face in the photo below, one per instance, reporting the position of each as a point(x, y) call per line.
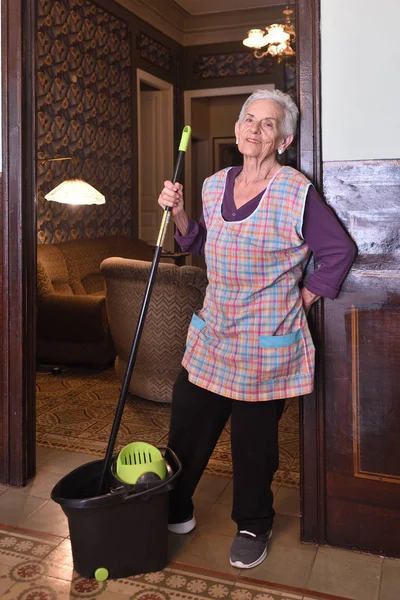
point(259, 134)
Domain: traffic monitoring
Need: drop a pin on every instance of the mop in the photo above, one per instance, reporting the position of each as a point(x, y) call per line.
point(142, 316)
point(119, 528)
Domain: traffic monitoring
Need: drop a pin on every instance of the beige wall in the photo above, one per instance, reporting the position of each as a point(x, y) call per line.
point(224, 112)
point(360, 54)
point(200, 118)
point(215, 116)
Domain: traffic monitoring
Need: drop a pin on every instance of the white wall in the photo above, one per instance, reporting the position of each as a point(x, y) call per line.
point(360, 60)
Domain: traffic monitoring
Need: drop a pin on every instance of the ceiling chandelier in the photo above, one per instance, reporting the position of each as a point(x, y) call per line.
point(276, 39)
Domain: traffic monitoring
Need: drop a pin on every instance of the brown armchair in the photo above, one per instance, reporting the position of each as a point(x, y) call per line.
point(176, 294)
point(72, 324)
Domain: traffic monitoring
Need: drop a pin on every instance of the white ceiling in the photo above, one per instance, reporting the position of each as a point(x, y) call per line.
point(203, 7)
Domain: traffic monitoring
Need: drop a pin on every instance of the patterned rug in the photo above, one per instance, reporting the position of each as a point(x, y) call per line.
point(39, 567)
point(75, 411)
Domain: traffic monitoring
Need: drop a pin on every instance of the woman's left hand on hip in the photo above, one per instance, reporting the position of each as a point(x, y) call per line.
point(308, 299)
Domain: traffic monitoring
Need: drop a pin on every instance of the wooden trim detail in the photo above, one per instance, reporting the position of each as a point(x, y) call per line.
point(355, 388)
point(356, 408)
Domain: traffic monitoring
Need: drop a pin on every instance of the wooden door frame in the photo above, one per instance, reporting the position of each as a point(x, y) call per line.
point(18, 253)
point(18, 244)
point(312, 407)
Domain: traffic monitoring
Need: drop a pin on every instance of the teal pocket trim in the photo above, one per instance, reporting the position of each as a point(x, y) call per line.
point(197, 322)
point(280, 341)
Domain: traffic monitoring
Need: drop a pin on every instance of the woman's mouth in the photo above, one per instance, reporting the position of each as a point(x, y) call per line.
point(253, 141)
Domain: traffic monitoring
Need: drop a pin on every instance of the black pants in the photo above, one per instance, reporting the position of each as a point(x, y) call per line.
point(197, 420)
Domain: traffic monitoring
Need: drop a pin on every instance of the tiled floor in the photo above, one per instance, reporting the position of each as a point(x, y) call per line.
point(328, 570)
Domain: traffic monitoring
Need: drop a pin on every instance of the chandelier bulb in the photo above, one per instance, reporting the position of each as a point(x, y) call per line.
point(276, 39)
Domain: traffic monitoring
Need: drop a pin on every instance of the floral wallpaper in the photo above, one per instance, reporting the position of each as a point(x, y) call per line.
point(154, 52)
point(84, 80)
point(231, 64)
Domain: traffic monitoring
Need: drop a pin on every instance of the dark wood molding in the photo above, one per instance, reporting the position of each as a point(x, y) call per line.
point(30, 228)
point(312, 410)
point(308, 88)
point(18, 243)
point(4, 437)
point(4, 452)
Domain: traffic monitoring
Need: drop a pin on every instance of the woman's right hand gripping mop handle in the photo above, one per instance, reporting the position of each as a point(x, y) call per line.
point(142, 315)
point(176, 176)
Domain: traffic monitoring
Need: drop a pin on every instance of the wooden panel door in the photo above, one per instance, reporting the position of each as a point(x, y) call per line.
point(150, 117)
point(154, 165)
point(362, 363)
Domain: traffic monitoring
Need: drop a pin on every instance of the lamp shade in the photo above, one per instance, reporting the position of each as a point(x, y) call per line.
point(276, 35)
point(255, 39)
point(75, 191)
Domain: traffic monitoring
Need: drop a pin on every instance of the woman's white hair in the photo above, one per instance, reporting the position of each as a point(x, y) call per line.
point(288, 125)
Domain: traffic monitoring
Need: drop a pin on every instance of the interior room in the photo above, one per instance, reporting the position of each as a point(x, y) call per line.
point(115, 82)
point(90, 124)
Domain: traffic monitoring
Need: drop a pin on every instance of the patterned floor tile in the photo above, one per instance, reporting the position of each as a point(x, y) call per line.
point(16, 547)
point(5, 580)
point(39, 568)
point(44, 588)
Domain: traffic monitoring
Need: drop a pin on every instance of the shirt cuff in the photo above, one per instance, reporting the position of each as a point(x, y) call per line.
point(191, 231)
point(320, 289)
point(186, 241)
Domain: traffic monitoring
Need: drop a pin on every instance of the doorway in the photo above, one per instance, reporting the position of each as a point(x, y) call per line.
point(18, 244)
point(212, 114)
point(155, 156)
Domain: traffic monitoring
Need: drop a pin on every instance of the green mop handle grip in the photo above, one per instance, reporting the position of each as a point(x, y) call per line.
point(181, 153)
point(187, 130)
point(185, 138)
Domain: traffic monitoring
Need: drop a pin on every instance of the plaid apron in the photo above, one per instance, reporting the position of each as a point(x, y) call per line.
point(251, 341)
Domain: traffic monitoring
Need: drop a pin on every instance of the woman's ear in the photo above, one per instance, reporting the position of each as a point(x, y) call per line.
point(285, 143)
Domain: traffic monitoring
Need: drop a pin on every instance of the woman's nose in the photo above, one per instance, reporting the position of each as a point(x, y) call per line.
point(255, 126)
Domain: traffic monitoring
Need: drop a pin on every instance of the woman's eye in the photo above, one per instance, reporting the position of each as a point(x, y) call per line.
point(268, 124)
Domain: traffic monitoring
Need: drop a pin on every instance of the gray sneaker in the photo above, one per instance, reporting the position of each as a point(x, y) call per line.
point(248, 549)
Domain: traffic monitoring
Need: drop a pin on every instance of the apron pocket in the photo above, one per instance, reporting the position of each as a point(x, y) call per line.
point(197, 322)
point(282, 355)
point(195, 326)
point(280, 341)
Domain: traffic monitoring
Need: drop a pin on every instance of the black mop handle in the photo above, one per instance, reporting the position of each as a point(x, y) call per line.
point(142, 316)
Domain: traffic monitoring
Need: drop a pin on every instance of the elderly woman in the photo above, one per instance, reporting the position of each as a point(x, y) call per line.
point(249, 347)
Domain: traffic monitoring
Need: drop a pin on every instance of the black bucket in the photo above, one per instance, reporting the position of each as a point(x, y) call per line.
point(120, 533)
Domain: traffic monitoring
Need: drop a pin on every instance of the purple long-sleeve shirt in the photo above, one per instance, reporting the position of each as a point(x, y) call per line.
point(334, 251)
